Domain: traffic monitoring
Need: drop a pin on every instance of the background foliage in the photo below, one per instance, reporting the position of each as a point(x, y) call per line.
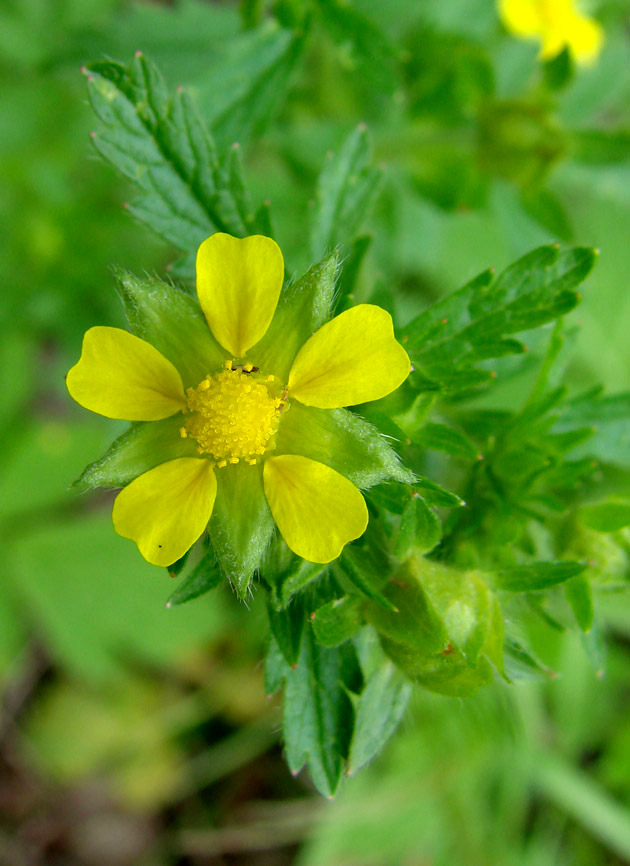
point(132, 733)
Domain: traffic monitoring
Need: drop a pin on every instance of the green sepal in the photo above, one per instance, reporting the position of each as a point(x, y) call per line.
point(287, 627)
point(145, 445)
point(342, 440)
point(447, 630)
point(446, 674)
point(172, 322)
point(303, 308)
point(338, 620)
point(241, 524)
point(205, 576)
point(379, 709)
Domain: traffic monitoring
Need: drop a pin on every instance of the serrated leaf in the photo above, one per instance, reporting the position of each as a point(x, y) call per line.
point(287, 627)
point(447, 341)
point(379, 710)
point(205, 576)
point(318, 715)
point(346, 189)
point(606, 516)
point(247, 82)
point(337, 620)
point(537, 575)
point(163, 147)
point(441, 437)
point(419, 531)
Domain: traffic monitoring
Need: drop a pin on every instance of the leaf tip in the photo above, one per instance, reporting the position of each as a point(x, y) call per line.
point(138, 53)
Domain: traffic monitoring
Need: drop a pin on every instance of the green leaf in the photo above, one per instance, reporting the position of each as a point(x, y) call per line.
point(521, 664)
point(276, 667)
point(547, 210)
point(601, 146)
point(434, 494)
point(342, 440)
point(346, 189)
point(205, 576)
point(395, 497)
point(366, 572)
point(366, 50)
point(419, 531)
point(580, 597)
point(609, 416)
point(172, 322)
point(303, 308)
point(537, 575)
point(380, 708)
point(318, 716)
point(606, 516)
point(349, 273)
point(143, 446)
point(440, 437)
point(241, 523)
point(287, 627)
point(338, 620)
point(246, 83)
point(163, 147)
point(447, 341)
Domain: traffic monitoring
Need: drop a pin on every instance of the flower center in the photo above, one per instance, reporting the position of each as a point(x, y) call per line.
point(234, 414)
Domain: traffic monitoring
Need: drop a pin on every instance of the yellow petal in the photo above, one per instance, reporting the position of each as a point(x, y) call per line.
point(316, 509)
point(166, 510)
point(238, 284)
point(352, 359)
point(585, 37)
point(522, 17)
point(121, 376)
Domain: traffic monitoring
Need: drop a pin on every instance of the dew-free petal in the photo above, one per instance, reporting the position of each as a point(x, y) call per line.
point(121, 376)
point(238, 285)
point(316, 509)
point(166, 509)
point(521, 17)
point(585, 38)
point(352, 359)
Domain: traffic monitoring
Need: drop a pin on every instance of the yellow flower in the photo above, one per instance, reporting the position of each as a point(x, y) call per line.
point(247, 405)
point(556, 24)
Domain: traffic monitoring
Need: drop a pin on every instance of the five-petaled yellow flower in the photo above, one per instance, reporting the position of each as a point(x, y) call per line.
point(232, 418)
point(556, 24)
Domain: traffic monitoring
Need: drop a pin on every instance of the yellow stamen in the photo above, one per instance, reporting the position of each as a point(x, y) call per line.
point(234, 415)
point(182, 432)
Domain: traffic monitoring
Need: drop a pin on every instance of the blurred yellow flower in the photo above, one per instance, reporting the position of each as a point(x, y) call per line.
point(556, 24)
point(235, 413)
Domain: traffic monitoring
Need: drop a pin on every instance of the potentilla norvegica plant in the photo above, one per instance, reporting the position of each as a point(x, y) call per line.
point(244, 463)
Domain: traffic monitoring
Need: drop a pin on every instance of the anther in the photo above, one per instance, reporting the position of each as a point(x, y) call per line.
point(183, 432)
point(228, 365)
point(222, 463)
point(234, 460)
